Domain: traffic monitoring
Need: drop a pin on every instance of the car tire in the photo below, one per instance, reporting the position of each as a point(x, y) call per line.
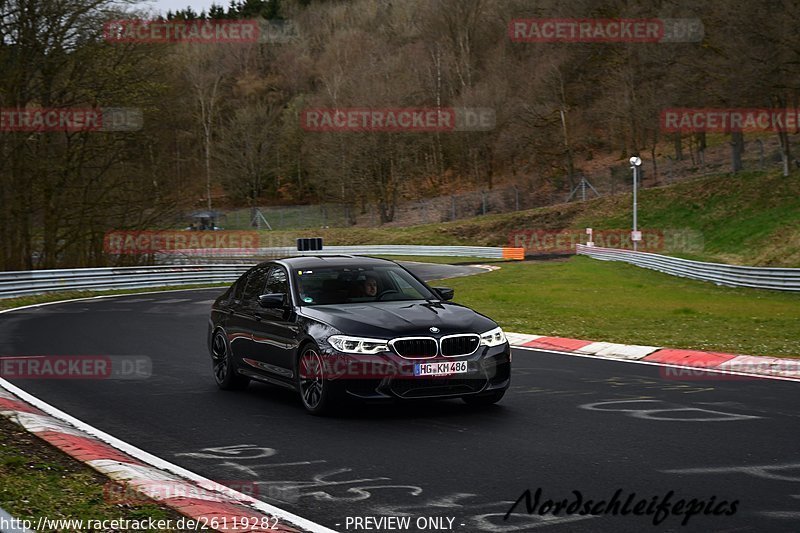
point(317, 393)
point(481, 400)
point(223, 365)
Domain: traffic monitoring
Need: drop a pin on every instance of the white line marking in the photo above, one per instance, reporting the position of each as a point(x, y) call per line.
point(653, 363)
point(761, 471)
point(648, 414)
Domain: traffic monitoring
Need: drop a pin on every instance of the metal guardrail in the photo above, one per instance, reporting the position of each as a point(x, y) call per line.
point(27, 282)
point(232, 254)
point(782, 279)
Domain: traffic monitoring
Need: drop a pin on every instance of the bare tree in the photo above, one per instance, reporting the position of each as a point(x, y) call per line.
point(206, 71)
point(245, 150)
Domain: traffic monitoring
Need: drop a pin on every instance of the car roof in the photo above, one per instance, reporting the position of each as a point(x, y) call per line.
point(321, 261)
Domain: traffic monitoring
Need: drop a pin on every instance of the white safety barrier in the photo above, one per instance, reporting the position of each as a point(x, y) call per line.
point(221, 266)
point(783, 279)
point(232, 254)
point(25, 282)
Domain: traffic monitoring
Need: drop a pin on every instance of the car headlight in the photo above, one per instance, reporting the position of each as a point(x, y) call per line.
point(495, 337)
point(346, 344)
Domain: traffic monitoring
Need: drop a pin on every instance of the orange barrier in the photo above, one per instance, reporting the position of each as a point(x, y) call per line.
point(514, 253)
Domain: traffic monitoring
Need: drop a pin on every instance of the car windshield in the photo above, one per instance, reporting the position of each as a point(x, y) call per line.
point(354, 284)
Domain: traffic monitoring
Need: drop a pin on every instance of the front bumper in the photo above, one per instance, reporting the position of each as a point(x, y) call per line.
point(389, 376)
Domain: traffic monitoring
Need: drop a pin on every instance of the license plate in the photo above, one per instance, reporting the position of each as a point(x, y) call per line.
point(440, 369)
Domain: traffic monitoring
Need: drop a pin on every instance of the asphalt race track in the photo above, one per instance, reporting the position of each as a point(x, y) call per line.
point(567, 424)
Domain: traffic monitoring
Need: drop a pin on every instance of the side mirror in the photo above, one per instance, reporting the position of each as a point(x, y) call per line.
point(271, 301)
point(445, 293)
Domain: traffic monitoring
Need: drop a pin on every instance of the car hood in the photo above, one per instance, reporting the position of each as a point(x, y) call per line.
point(387, 320)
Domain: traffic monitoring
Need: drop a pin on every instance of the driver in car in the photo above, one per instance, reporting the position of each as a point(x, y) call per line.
point(371, 286)
point(366, 288)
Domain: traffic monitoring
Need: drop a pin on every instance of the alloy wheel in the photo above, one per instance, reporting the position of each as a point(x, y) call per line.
point(312, 378)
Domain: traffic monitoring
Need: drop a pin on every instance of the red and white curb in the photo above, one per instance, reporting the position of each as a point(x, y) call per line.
point(744, 365)
point(198, 498)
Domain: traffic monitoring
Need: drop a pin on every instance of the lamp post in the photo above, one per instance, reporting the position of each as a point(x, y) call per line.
point(636, 162)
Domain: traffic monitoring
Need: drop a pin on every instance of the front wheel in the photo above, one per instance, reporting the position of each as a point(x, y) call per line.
point(223, 365)
point(316, 391)
point(484, 399)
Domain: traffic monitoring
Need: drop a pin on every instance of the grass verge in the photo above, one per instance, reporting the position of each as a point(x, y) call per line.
point(616, 302)
point(36, 480)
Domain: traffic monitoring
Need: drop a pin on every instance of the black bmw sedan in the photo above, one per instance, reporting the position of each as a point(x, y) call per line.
point(338, 327)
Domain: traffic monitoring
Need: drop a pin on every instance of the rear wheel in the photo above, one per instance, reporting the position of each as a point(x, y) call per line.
point(224, 366)
point(484, 399)
point(316, 391)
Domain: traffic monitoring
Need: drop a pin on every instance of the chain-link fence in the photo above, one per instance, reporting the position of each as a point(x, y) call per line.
point(593, 181)
point(428, 211)
point(287, 217)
